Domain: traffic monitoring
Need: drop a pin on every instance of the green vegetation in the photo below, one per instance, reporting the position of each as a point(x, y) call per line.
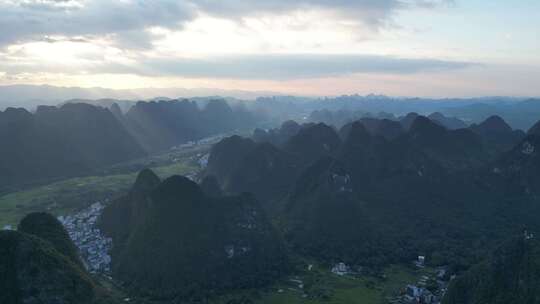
point(66, 196)
point(176, 240)
point(38, 265)
point(340, 290)
point(47, 227)
point(183, 244)
point(511, 275)
point(350, 289)
point(34, 272)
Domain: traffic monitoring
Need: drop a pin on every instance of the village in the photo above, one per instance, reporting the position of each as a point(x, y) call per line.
point(92, 244)
point(429, 289)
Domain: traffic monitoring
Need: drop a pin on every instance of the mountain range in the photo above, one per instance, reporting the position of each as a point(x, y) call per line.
point(31, 96)
point(370, 192)
point(378, 192)
point(78, 138)
point(60, 142)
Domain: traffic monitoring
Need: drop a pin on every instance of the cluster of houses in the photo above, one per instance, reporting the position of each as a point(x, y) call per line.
point(203, 141)
point(416, 294)
point(231, 250)
point(527, 148)
point(203, 160)
point(420, 262)
point(341, 269)
point(422, 292)
point(341, 183)
point(93, 246)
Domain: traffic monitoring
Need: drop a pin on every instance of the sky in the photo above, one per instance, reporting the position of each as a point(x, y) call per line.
point(426, 48)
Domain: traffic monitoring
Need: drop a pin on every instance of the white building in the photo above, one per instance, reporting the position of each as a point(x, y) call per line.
point(420, 262)
point(340, 269)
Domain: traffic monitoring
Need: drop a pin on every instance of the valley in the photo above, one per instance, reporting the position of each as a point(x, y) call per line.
point(76, 198)
point(300, 213)
point(388, 286)
point(65, 197)
point(269, 152)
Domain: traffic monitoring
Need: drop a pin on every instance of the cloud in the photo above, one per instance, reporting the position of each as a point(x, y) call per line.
point(368, 11)
point(295, 66)
point(256, 67)
point(33, 19)
point(127, 37)
point(125, 21)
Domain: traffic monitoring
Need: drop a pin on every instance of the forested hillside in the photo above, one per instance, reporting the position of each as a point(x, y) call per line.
point(76, 139)
point(60, 142)
point(381, 193)
point(39, 264)
point(178, 242)
point(510, 275)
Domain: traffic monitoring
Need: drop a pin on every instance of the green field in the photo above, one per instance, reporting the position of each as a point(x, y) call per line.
point(349, 289)
point(68, 195)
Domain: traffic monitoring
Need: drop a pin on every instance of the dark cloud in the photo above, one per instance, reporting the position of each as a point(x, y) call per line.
point(358, 8)
point(33, 20)
point(126, 20)
point(372, 13)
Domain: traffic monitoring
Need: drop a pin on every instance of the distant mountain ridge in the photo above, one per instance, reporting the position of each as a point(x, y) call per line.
point(77, 138)
point(31, 96)
point(520, 113)
point(60, 142)
point(163, 124)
